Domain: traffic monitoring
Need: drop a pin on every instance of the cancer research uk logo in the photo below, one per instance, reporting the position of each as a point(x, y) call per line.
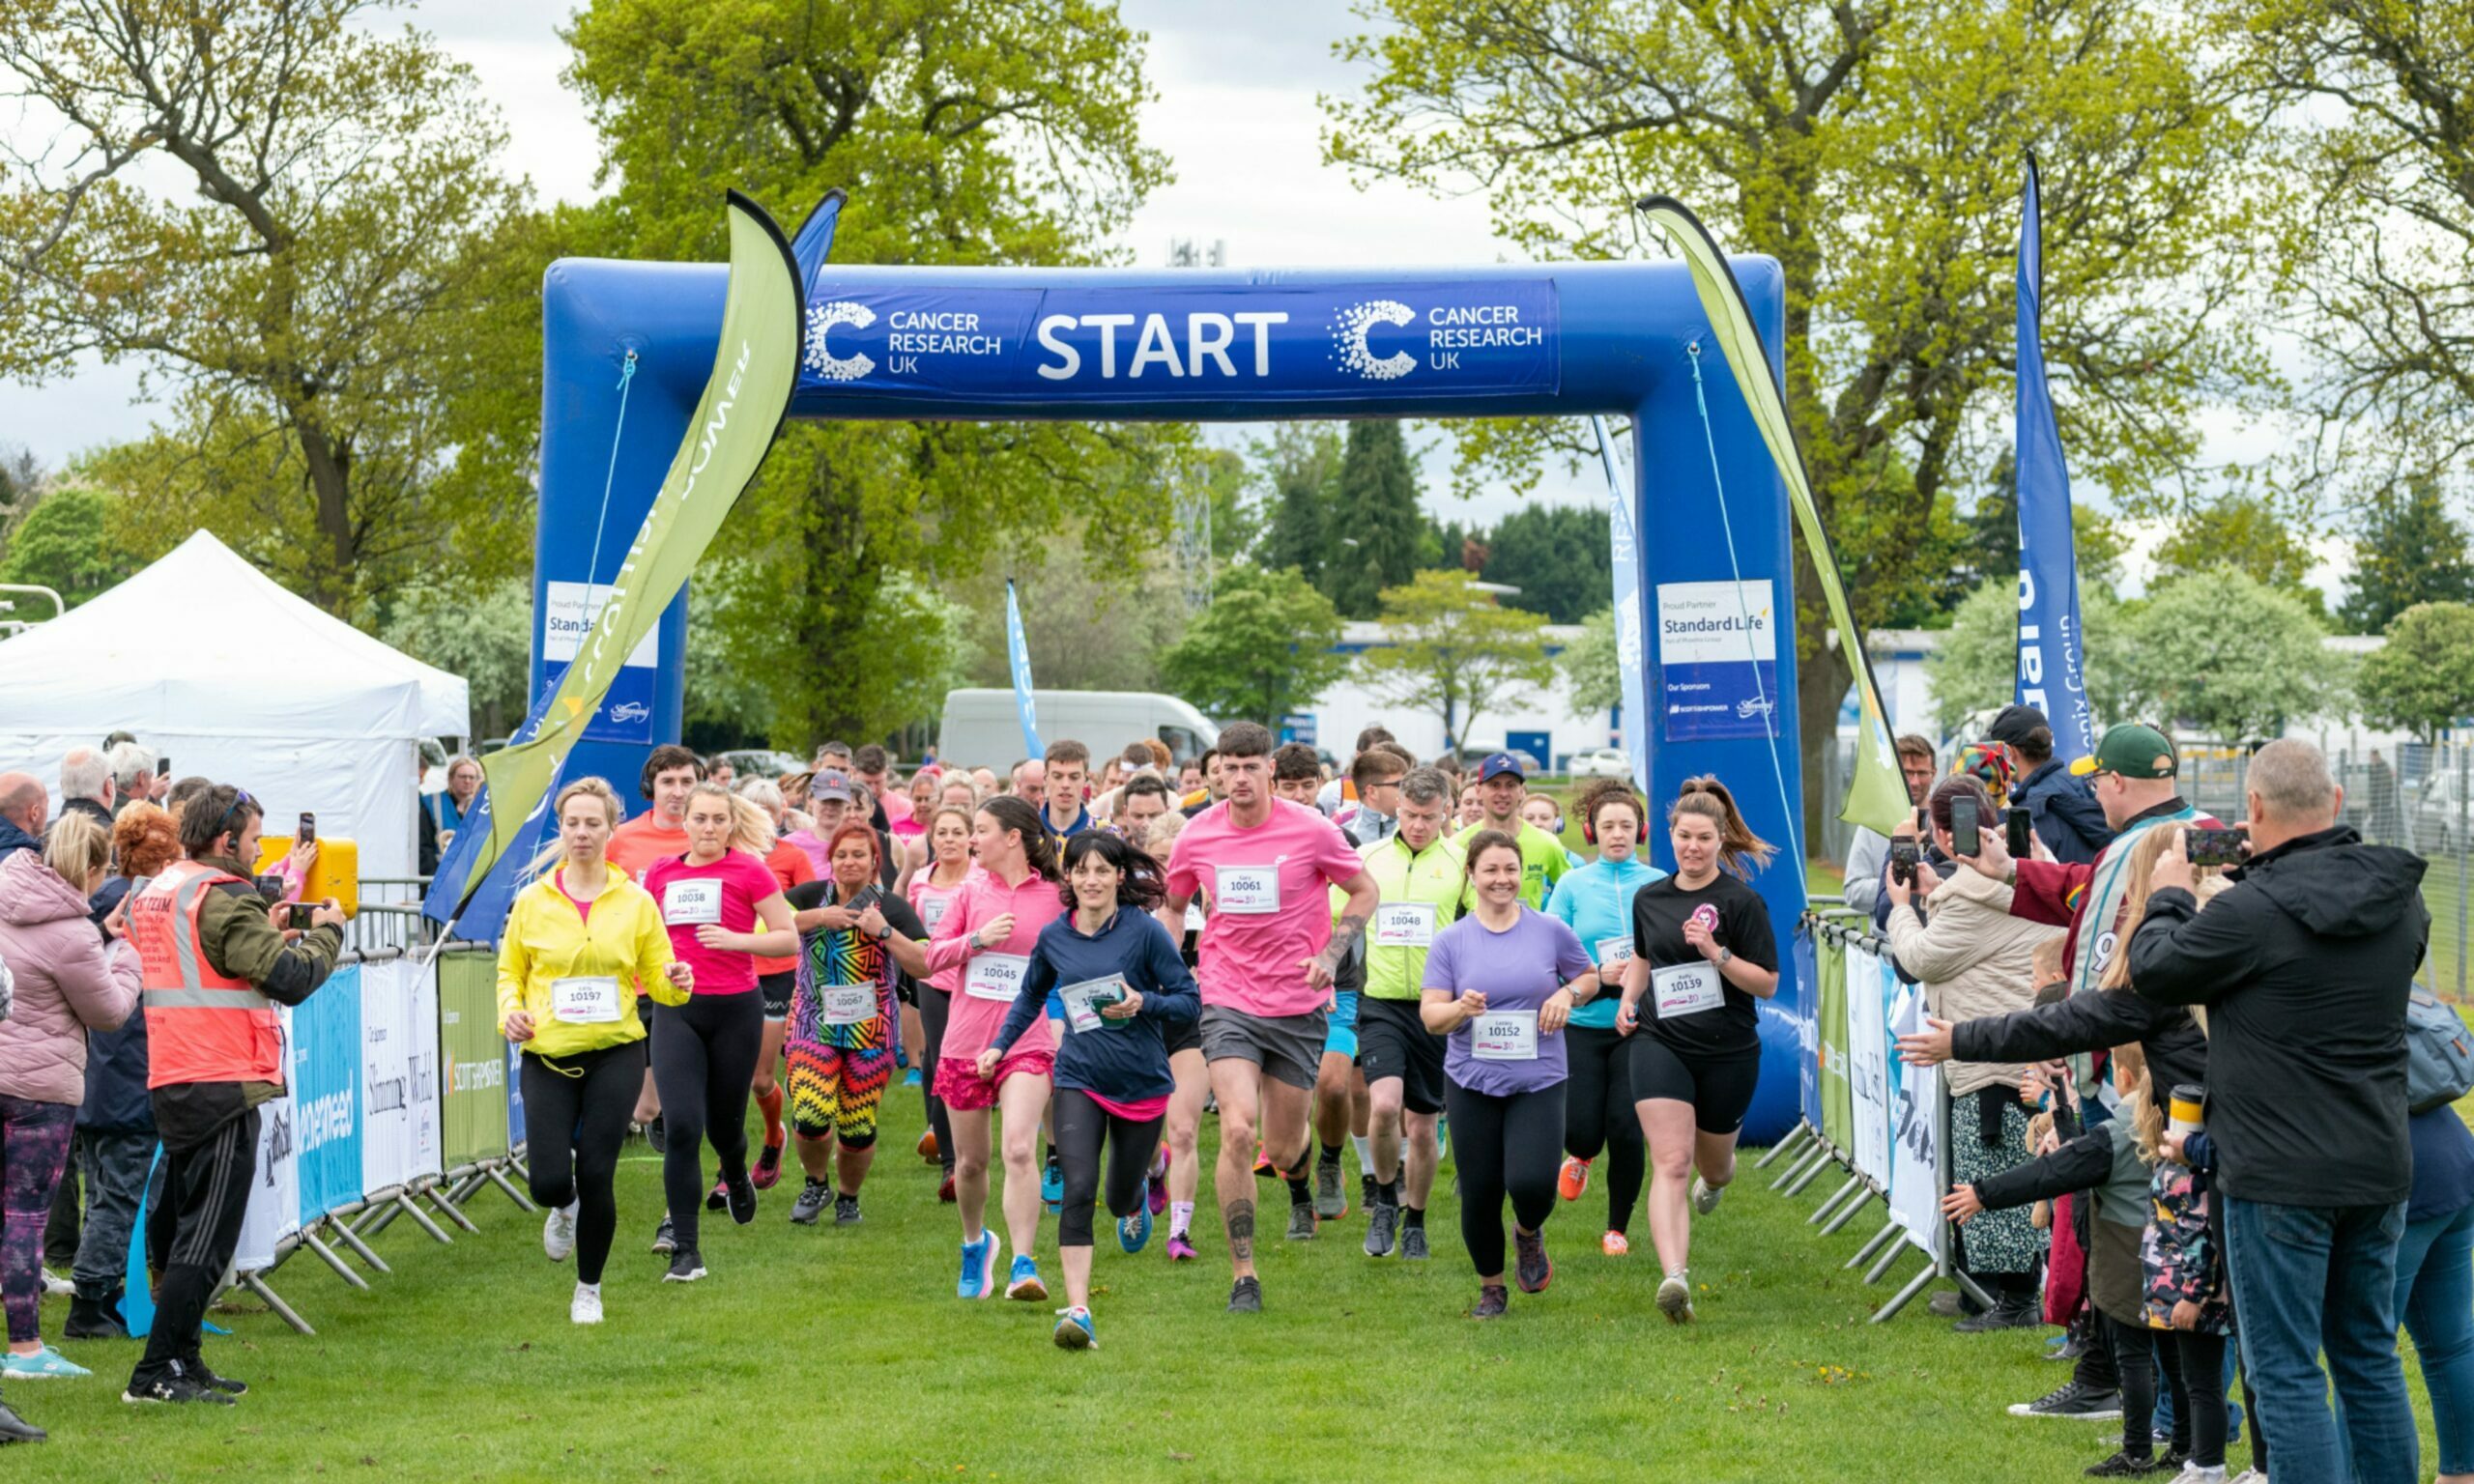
point(1349, 334)
point(821, 359)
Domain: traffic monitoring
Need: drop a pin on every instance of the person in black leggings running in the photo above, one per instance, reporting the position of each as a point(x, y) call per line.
point(713, 899)
point(1125, 988)
point(582, 945)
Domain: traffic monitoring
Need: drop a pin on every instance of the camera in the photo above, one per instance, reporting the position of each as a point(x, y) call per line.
point(2216, 847)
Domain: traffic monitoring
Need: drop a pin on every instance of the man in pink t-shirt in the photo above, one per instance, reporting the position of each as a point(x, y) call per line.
point(1264, 868)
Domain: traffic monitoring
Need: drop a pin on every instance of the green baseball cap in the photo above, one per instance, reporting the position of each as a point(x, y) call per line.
point(2131, 751)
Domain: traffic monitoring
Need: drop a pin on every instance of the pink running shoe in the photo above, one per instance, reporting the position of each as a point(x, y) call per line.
point(1160, 1183)
point(1181, 1251)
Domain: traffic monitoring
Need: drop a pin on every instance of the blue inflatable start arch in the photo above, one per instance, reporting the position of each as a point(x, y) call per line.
point(627, 346)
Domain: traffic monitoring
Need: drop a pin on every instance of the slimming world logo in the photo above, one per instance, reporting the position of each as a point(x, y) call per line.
point(1349, 336)
point(631, 711)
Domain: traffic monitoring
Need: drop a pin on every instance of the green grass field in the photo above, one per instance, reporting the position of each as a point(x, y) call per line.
point(844, 1355)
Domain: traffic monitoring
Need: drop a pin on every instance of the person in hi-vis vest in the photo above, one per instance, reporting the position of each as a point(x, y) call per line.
point(216, 961)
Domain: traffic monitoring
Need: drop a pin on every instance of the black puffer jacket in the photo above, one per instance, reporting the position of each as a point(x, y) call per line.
point(2176, 1052)
point(2305, 967)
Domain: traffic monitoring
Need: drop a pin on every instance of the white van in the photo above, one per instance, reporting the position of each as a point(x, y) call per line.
point(982, 728)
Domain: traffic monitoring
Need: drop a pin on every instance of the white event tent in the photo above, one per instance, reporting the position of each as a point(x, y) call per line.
point(218, 668)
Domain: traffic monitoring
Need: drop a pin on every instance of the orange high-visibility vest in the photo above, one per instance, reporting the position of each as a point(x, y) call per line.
point(201, 1024)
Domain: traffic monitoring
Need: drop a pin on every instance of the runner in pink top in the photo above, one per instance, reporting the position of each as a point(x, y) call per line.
point(932, 892)
point(986, 934)
point(1267, 956)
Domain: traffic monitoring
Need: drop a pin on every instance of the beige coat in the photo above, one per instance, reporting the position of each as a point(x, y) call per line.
point(1974, 959)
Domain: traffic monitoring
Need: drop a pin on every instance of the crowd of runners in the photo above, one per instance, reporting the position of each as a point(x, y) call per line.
point(1073, 963)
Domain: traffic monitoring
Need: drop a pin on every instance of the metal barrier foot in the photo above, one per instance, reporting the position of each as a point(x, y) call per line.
point(1821, 1214)
point(362, 1249)
point(1794, 1137)
point(422, 1219)
point(327, 1255)
point(1848, 1215)
point(439, 1199)
point(1811, 1157)
point(1826, 1162)
point(282, 1310)
point(1888, 1258)
point(1900, 1300)
point(1865, 1253)
point(523, 1202)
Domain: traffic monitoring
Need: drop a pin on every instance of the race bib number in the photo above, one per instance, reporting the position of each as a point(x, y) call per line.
point(1405, 924)
point(847, 1003)
point(932, 911)
point(995, 976)
point(1686, 990)
point(687, 904)
point(1614, 953)
point(1504, 1036)
point(1247, 890)
point(588, 999)
point(1083, 1000)
point(1194, 920)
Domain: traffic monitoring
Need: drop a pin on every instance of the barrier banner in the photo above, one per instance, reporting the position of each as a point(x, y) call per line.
point(1918, 1125)
point(1867, 1075)
point(273, 1212)
point(514, 1100)
point(1809, 1024)
point(475, 1057)
point(325, 1034)
point(1838, 1105)
point(386, 1082)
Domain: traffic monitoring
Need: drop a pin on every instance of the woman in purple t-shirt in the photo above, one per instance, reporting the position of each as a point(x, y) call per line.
point(1501, 983)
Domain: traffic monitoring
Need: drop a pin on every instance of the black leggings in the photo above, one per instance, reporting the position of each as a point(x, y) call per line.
point(1598, 1115)
point(1504, 1145)
point(577, 1109)
point(703, 1059)
point(2193, 1366)
point(1080, 1125)
point(2134, 1351)
point(934, 1005)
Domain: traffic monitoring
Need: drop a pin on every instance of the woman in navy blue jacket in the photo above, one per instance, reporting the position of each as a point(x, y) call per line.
point(1124, 987)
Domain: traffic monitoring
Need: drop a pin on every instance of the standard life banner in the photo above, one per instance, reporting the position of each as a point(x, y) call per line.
point(1486, 337)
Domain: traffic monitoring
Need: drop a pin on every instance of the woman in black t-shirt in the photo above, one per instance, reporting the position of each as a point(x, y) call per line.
point(1703, 951)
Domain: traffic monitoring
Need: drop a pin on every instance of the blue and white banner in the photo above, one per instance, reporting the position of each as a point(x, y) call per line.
point(1717, 660)
point(1018, 659)
point(2052, 645)
point(626, 713)
point(1624, 559)
point(325, 1093)
point(1200, 342)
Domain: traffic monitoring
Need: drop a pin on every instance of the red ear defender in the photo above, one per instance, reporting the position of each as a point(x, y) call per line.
point(1589, 830)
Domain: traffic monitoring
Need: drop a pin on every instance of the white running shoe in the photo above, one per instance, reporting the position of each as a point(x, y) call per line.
point(2192, 1474)
point(558, 1232)
point(1675, 1296)
point(1704, 1195)
point(57, 1286)
point(585, 1307)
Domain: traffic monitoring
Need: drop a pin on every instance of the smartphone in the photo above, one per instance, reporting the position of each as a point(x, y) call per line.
point(162, 767)
point(2216, 847)
point(272, 887)
point(2020, 841)
point(1963, 834)
point(1905, 856)
point(865, 898)
point(309, 828)
point(296, 914)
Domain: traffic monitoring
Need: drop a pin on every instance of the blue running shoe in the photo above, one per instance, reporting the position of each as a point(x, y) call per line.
point(911, 1079)
point(1134, 1231)
point(979, 1266)
point(45, 1364)
point(1026, 1284)
point(1074, 1329)
point(1052, 1185)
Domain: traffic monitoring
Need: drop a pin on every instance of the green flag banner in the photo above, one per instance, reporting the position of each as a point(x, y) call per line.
point(755, 368)
point(1877, 793)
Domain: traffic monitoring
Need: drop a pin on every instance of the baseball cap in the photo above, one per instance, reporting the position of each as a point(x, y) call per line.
point(2015, 724)
point(2131, 751)
point(1497, 764)
point(830, 784)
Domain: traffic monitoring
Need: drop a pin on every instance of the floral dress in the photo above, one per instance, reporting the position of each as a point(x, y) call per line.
point(2179, 1257)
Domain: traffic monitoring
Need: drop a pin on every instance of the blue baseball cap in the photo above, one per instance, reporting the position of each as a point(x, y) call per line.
point(1498, 764)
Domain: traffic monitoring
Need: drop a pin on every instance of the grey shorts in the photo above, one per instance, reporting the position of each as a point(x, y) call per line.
point(1289, 1048)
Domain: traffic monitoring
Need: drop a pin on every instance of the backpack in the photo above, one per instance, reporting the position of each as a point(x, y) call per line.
point(2439, 1053)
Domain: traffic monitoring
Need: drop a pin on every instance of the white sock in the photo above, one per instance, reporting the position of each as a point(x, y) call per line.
point(593, 1289)
point(1181, 1217)
point(1365, 1152)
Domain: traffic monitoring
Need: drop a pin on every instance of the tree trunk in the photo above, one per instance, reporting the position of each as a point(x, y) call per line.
point(330, 467)
point(829, 615)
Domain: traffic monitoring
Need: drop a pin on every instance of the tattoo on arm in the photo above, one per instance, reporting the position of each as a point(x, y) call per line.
point(1345, 935)
point(1240, 1217)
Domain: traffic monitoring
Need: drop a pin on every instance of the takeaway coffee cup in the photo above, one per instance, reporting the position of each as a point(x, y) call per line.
point(2183, 1112)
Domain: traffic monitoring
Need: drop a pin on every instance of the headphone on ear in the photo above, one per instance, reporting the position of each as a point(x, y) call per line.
point(1589, 828)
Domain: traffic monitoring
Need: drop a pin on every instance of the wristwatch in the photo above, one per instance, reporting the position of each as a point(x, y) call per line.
point(1726, 955)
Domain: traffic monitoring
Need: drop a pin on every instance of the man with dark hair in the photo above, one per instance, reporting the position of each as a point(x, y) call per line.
point(2062, 806)
point(1268, 954)
point(720, 770)
point(1868, 853)
point(660, 832)
point(215, 962)
point(1143, 799)
point(1294, 762)
point(1374, 777)
point(872, 766)
point(1064, 770)
point(1339, 1092)
point(1341, 792)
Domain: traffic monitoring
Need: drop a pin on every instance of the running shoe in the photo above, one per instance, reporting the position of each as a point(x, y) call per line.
point(198, 1371)
point(1532, 1269)
point(911, 1079)
point(945, 1189)
point(175, 1388)
point(54, 1286)
point(1381, 1223)
point(2249, 1477)
point(768, 1167)
point(656, 1136)
point(1492, 1299)
point(928, 1146)
point(1263, 1161)
point(585, 1309)
point(2125, 1466)
point(1052, 1185)
point(846, 1211)
point(45, 1364)
point(2071, 1399)
point(558, 1232)
point(1572, 1183)
point(1331, 1200)
point(979, 1265)
point(1675, 1296)
point(813, 1199)
point(1180, 1250)
point(1074, 1329)
point(719, 1197)
point(1615, 1245)
point(2192, 1474)
point(1245, 1295)
point(1134, 1231)
point(1024, 1283)
point(665, 1240)
point(1706, 1196)
point(1413, 1243)
point(741, 1196)
point(1158, 1195)
point(686, 1265)
point(1301, 1222)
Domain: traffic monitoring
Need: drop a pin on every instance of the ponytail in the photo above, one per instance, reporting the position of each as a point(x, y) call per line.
point(1017, 816)
point(1740, 850)
point(1146, 882)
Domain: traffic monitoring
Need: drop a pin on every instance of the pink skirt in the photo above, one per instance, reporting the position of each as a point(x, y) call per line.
point(962, 1089)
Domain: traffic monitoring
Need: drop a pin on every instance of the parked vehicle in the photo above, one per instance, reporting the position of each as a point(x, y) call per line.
point(981, 727)
point(761, 761)
point(1599, 762)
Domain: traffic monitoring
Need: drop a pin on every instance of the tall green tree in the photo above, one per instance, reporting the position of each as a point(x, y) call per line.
point(1557, 556)
point(2408, 551)
point(66, 542)
point(2231, 656)
point(1976, 666)
point(274, 207)
point(967, 132)
point(486, 638)
point(1299, 469)
point(1450, 650)
point(1590, 665)
point(2245, 533)
point(1377, 534)
point(1264, 649)
point(1875, 149)
point(2422, 680)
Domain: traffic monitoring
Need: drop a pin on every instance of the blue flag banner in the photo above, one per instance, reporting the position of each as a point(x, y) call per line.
point(2052, 644)
point(1624, 559)
point(1018, 658)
